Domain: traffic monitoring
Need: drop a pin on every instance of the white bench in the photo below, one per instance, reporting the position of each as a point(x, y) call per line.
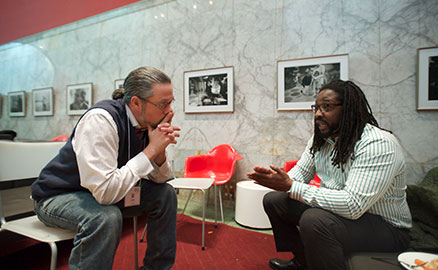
point(23, 161)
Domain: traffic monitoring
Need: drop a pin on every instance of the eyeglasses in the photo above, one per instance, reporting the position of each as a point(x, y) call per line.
point(160, 106)
point(326, 107)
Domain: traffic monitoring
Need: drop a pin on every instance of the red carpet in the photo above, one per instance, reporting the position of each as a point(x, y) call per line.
point(226, 247)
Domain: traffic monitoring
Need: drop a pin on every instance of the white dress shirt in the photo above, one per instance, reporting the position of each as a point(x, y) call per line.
point(96, 144)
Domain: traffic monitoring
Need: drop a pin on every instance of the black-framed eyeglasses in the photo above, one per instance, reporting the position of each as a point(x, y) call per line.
point(325, 107)
point(160, 106)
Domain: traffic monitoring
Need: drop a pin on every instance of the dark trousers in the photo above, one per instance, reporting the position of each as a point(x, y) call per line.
point(322, 239)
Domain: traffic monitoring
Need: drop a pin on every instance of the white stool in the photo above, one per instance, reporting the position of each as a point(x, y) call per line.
point(249, 205)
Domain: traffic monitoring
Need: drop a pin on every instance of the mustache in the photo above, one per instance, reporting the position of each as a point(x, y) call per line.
point(321, 120)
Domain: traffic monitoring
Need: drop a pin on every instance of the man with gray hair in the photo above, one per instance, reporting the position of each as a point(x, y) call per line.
point(114, 165)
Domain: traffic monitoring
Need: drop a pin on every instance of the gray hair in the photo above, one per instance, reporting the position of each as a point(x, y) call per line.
point(139, 83)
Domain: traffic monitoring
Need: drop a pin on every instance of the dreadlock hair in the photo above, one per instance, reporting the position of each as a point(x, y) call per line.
point(356, 113)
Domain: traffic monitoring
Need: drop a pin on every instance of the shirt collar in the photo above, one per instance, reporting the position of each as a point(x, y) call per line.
point(131, 117)
point(330, 141)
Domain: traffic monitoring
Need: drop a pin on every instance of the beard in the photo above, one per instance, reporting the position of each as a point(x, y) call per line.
point(144, 122)
point(323, 129)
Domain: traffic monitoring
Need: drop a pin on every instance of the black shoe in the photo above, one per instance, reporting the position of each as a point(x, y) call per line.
point(278, 264)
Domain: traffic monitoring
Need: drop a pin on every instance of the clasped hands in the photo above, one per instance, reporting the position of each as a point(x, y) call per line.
point(167, 130)
point(160, 137)
point(275, 178)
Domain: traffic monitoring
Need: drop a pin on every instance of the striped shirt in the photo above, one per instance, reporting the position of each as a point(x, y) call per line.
point(374, 182)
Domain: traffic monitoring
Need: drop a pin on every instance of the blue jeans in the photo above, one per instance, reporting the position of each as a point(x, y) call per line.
point(99, 227)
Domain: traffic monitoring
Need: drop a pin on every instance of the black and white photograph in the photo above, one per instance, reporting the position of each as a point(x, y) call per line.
point(42, 101)
point(209, 90)
point(17, 103)
point(427, 93)
point(118, 84)
point(79, 98)
point(299, 80)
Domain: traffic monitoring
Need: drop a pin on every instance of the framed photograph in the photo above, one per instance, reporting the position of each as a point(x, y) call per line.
point(79, 98)
point(427, 92)
point(118, 83)
point(42, 101)
point(209, 90)
point(17, 103)
point(299, 80)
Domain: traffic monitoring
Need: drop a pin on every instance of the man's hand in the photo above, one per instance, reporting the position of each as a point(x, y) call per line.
point(276, 178)
point(160, 138)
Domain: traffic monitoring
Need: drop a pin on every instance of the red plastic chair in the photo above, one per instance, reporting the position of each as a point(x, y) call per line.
point(288, 165)
point(218, 164)
point(60, 138)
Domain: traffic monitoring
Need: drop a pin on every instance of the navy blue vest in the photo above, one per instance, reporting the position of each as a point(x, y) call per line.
point(61, 174)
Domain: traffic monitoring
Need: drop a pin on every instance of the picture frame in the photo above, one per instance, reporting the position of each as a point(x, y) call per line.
point(209, 90)
point(79, 98)
point(42, 101)
point(299, 80)
point(118, 83)
point(427, 78)
point(17, 104)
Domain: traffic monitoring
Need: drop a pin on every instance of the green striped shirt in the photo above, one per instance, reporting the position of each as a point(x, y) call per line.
point(373, 182)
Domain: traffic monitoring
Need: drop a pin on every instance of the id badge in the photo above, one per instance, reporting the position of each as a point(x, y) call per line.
point(133, 197)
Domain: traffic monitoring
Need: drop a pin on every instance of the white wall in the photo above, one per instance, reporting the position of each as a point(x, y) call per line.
point(380, 36)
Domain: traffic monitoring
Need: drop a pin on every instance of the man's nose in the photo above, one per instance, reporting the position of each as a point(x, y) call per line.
point(318, 113)
point(168, 109)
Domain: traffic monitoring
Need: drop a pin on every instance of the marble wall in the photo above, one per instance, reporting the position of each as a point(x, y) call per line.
point(381, 38)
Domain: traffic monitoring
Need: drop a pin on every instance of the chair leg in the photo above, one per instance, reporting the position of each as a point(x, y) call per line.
point(208, 196)
point(188, 199)
point(203, 219)
point(143, 234)
point(135, 243)
point(220, 204)
point(215, 204)
point(54, 250)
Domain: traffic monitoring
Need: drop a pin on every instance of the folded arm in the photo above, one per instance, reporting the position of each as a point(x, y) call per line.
point(97, 151)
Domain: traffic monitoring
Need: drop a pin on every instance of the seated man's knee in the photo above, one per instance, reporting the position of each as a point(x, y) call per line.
point(269, 200)
point(273, 198)
point(315, 220)
point(312, 217)
point(168, 196)
point(109, 219)
point(170, 193)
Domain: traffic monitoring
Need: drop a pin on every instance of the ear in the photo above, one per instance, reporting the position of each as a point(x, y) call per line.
point(136, 101)
point(136, 104)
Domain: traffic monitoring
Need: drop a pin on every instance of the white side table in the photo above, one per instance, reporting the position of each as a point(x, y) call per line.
point(249, 205)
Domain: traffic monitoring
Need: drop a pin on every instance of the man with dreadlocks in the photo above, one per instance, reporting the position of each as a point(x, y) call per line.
point(361, 204)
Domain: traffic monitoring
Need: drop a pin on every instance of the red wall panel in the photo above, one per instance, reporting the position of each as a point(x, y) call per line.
point(21, 18)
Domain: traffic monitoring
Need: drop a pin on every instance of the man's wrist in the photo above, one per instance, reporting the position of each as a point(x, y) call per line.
point(160, 158)
point(150, 153)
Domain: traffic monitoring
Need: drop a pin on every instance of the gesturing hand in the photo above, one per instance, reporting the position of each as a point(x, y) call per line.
point(274, 178)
